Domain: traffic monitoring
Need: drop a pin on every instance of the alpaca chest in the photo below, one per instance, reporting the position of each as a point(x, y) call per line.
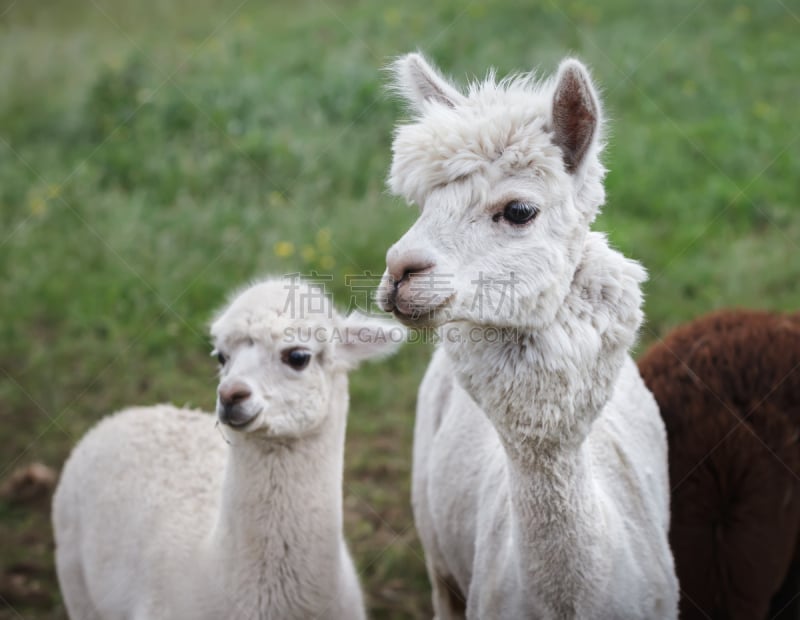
point(467, 484)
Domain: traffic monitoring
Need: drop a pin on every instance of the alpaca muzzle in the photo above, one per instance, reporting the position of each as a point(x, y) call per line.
point(232, 408)
point(235, 416)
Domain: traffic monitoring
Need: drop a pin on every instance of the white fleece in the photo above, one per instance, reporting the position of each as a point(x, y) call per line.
point(540, 485)
point(160, 515)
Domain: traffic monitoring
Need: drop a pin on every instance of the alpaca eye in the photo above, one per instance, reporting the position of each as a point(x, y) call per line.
point(221, 357)
point(296, 358)
point(517, 212)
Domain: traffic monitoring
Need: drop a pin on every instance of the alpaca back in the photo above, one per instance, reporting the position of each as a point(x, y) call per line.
point(157, 470)
point(729, 392)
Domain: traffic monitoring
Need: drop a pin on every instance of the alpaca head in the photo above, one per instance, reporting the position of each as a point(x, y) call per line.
point(283, 353)
point(508, 179)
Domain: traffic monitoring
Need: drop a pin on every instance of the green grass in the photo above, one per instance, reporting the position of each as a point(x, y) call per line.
point(155, 156)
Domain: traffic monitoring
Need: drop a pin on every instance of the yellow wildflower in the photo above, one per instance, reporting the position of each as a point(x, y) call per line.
point(37, 202)
point(392, 16)
point(308, 253)
point(741, 14)
point(324, 239)
point(763, 110)
point(284, 249)
point(276, 199)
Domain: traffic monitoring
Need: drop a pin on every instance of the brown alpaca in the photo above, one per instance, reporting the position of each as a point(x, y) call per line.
point(728, 386)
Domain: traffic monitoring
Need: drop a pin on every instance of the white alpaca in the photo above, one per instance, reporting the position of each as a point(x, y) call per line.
point(540, 472)
point(159, 516)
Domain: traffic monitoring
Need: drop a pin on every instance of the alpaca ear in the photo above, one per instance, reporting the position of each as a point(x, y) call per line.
point(418, 82)
point(576, 113)
point(362, 338)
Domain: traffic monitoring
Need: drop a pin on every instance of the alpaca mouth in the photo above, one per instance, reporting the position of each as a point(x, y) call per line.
point(416, 319)
point(237, 420)
point(416, 308)
point(411, 315)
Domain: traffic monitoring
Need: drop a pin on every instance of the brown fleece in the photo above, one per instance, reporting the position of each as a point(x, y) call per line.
point(728, 386)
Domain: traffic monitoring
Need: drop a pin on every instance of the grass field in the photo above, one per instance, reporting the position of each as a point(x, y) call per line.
point(154, 155)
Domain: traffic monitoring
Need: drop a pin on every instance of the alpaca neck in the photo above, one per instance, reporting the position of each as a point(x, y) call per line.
point(280, 519)
point(542, 419)
point(557, 527)
point(542, 389)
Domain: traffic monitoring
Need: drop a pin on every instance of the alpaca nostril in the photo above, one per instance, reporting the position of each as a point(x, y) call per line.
point(234, 395)
point(413, 270)
point(402, 264)
point(239, 396)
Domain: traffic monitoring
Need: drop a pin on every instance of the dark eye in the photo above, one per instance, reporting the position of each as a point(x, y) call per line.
point(517, 212)
point(296, 358)
point(221, 357)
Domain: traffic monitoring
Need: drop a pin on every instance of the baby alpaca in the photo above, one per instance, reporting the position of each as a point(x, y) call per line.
point(540, 469)
point(728, 387)
point(159, 516)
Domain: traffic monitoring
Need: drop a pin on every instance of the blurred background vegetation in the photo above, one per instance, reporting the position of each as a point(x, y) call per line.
point(154, 155)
